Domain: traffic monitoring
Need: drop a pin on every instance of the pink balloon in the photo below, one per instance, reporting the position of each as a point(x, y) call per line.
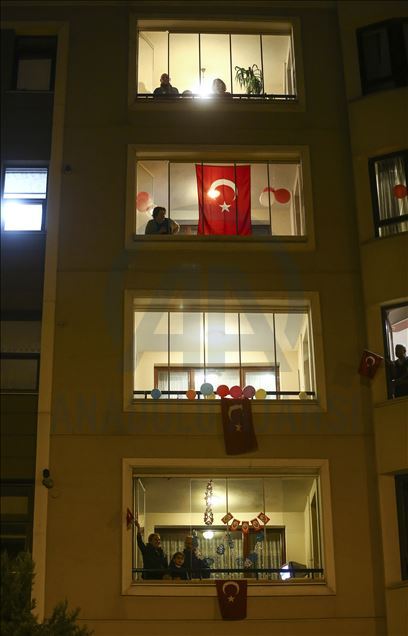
point(282, 195)
point(248, 392)
point(222, 390)
point(143, 201)
point(235, 391)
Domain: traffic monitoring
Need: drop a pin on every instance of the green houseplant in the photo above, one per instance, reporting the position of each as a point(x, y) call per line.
point(250, 78)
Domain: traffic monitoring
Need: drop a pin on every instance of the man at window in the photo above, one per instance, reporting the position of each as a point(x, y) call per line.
point(155, 562)
point(159, 224)
point(196, 567)
point(399, 371)
point(165, 89)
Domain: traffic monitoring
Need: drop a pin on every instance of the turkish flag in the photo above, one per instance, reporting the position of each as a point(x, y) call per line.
point(369, 364)
point(224, 199)
point(232, 599)
point(239, 434)
point(129, 518)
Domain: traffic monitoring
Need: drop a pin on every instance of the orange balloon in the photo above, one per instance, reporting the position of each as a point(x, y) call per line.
point(282, 195)
point(190, 394)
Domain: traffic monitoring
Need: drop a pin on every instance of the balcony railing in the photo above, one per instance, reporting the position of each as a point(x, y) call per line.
point(182, 395)
point(269, 97)
point(281, 574)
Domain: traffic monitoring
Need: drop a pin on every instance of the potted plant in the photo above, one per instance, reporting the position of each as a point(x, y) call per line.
point(250, 78)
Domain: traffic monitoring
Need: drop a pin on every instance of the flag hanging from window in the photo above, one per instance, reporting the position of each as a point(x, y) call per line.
point(224, 199)
point(369, 364)
point(232, 599)
point(239, 434)
point(129, 518)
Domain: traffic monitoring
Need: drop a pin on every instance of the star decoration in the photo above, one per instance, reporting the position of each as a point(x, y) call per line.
point(225, 207)
point(238, 427)
point(231, 599)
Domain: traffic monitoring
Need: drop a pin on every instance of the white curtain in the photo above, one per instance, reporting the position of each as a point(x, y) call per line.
point(390, 172)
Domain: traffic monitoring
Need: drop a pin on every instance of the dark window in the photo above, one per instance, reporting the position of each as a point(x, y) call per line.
point(388, 177)
point(20, 355)
point(16, 516)
point(401, 491)
point(383, 55)
point(34, 68)
point(395, 326)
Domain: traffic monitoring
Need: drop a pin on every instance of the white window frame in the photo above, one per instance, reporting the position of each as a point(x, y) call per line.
point(219, 154)
point(252, 467)
point(163, 300)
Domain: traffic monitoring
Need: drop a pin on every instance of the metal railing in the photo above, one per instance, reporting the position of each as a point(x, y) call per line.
point(235, 96)
point(182, 394)
point(252, 573)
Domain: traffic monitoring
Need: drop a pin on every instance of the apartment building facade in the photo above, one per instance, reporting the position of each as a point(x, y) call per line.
point(288, 194)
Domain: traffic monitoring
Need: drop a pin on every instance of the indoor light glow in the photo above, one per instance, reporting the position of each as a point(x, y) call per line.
point(21, 216)
point(208, 534)
point(213, 194)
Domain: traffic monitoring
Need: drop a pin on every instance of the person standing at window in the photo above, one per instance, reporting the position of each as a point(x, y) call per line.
point(154, 560)
point(399, 372)
point(165, 89)
point(159, 224)
point(196, 567)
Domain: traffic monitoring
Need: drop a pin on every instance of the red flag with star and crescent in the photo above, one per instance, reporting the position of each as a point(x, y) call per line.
point(369, 364)
point(232, 599)
point(239, 434)
point(224, 199)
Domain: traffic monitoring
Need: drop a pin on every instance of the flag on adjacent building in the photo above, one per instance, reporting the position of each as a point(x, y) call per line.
point(239, 434)
point(129, 518)
point(369, 364)
point(232, 599)
point(224, 199)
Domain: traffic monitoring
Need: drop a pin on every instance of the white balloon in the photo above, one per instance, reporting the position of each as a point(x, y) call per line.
point(265, 197)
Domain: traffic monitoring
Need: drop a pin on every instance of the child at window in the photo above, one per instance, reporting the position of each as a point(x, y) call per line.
point(176, 569)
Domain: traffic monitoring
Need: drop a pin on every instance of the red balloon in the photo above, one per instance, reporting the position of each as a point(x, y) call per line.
point(282, 195)
point(222, 390)
point(248, 391)
point(236, 391)
point(143, 201)
point(400, 191)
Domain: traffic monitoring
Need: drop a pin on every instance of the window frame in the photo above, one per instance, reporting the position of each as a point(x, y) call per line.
point(251, 468)
point(22, 523)
point(220, 154)
point(389, 354)
point(401, 497)
point(162, 300)
point(32, 52)
point(378, 222)
point(27, 201)
point(398, 76)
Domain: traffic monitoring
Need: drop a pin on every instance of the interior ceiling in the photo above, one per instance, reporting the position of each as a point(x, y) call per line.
point(175, 494)
point(186, 331)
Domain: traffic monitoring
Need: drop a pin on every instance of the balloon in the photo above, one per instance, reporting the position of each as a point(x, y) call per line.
point(248, 391)
point(400, 191)
point(236, 391)
point(210, 396)
point(143, 201)
point(190, 394)
point(266, 195)
point(282, 195)
point(206, 388)
point(260, 394)
point(155, 393)
point(222, 390)
point(302, 395)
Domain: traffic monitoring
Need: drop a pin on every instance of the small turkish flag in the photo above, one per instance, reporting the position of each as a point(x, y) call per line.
point(245, 527)
point(239, 434)
point(224, 199)
point(129, 518)
point(255, 524)
point(369, 364)
point(234, 525)
point(232, 599)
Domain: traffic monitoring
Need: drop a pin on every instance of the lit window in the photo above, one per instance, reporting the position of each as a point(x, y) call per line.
point(259, 527)
point(395, 324)
point(389, 176)
point(177, 352)
point(383, 52)
point(24, 198)
point(242, 198)
point(251, 65)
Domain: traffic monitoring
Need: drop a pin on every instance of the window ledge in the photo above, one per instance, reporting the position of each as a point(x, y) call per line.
point(211, 406)
point(208, 588)
point(225, 242)
point(208, 105)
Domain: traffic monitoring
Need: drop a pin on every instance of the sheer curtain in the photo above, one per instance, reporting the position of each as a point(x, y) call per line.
point(389, 172)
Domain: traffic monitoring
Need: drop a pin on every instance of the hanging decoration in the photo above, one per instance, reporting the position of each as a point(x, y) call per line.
point(195, 539)
point(255, 524)
point(245, 527)
point(253, 557)
point(400, 191)
point(130, 520)
point(230, 543)
point(220, 549)
point(208, 513)
point(259, 537)
point(369, 364)
point(234, 525)
point(143, 201)
point(227, 517)
point(263, 517)
point(280, 195)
